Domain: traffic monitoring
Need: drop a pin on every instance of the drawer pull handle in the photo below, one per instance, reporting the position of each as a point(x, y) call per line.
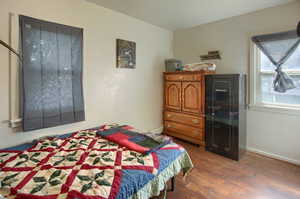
point(169, 125)
point(169, 115)
point(195, 121)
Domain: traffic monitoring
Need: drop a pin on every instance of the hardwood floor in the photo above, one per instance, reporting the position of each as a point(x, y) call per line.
point(253, 177)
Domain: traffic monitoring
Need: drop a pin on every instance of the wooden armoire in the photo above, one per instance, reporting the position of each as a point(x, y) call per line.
point(184, 97)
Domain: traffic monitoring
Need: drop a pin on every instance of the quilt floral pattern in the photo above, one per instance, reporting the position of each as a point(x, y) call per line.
point(82, 165)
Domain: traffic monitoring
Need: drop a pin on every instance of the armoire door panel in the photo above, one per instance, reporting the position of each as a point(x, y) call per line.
point(191, 97)
point(173, 95)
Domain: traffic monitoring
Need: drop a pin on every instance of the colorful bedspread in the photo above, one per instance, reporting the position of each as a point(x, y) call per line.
point(84, 165)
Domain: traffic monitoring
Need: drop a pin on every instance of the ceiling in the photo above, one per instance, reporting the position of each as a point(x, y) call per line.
point(180, 14)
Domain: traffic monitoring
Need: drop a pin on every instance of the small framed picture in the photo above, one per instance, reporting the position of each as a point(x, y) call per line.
point(126, 55)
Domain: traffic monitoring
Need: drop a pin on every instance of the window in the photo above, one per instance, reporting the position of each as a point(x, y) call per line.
point(291, 67)
point(263, 72)
point(51, 73)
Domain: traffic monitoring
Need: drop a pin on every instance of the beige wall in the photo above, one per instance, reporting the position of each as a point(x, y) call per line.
point(111, 95)
point(273, 134)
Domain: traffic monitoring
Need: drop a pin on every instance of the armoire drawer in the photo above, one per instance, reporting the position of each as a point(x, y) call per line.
point(183, 77)
point(185, 119)
point(184, 130)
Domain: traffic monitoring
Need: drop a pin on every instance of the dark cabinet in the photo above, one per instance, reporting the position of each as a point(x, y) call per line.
point(225, 114)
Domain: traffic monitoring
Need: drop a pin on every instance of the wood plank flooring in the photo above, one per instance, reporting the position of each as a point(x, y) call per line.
point(253, 177)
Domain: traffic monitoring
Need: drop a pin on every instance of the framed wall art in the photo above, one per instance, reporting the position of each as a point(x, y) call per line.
point(126, 54)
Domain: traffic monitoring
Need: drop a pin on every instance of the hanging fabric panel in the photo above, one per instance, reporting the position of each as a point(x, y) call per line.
point(52, 74)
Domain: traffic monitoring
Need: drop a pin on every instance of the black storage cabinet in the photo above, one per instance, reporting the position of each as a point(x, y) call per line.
point(225, 114)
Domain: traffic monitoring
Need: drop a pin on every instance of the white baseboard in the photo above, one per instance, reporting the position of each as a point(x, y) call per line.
point(157, 130)
point(274, 156)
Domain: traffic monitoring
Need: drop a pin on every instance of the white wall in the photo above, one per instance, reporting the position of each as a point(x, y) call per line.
point(111, 95)
point(274, 134)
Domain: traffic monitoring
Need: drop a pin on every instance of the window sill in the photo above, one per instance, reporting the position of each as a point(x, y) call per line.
point(295, 111)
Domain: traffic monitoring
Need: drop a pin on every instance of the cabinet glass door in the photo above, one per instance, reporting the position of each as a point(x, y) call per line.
point(221, 119)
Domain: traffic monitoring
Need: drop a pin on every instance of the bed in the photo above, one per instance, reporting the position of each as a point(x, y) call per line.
point(84, 165)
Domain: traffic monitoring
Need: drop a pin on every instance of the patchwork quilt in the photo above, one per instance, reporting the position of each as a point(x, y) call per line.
point(80, 165)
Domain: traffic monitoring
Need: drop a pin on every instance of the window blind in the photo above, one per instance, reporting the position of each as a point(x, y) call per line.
point(52, 74)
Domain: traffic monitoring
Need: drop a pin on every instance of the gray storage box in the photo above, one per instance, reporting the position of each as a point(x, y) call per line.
point(173, 65)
